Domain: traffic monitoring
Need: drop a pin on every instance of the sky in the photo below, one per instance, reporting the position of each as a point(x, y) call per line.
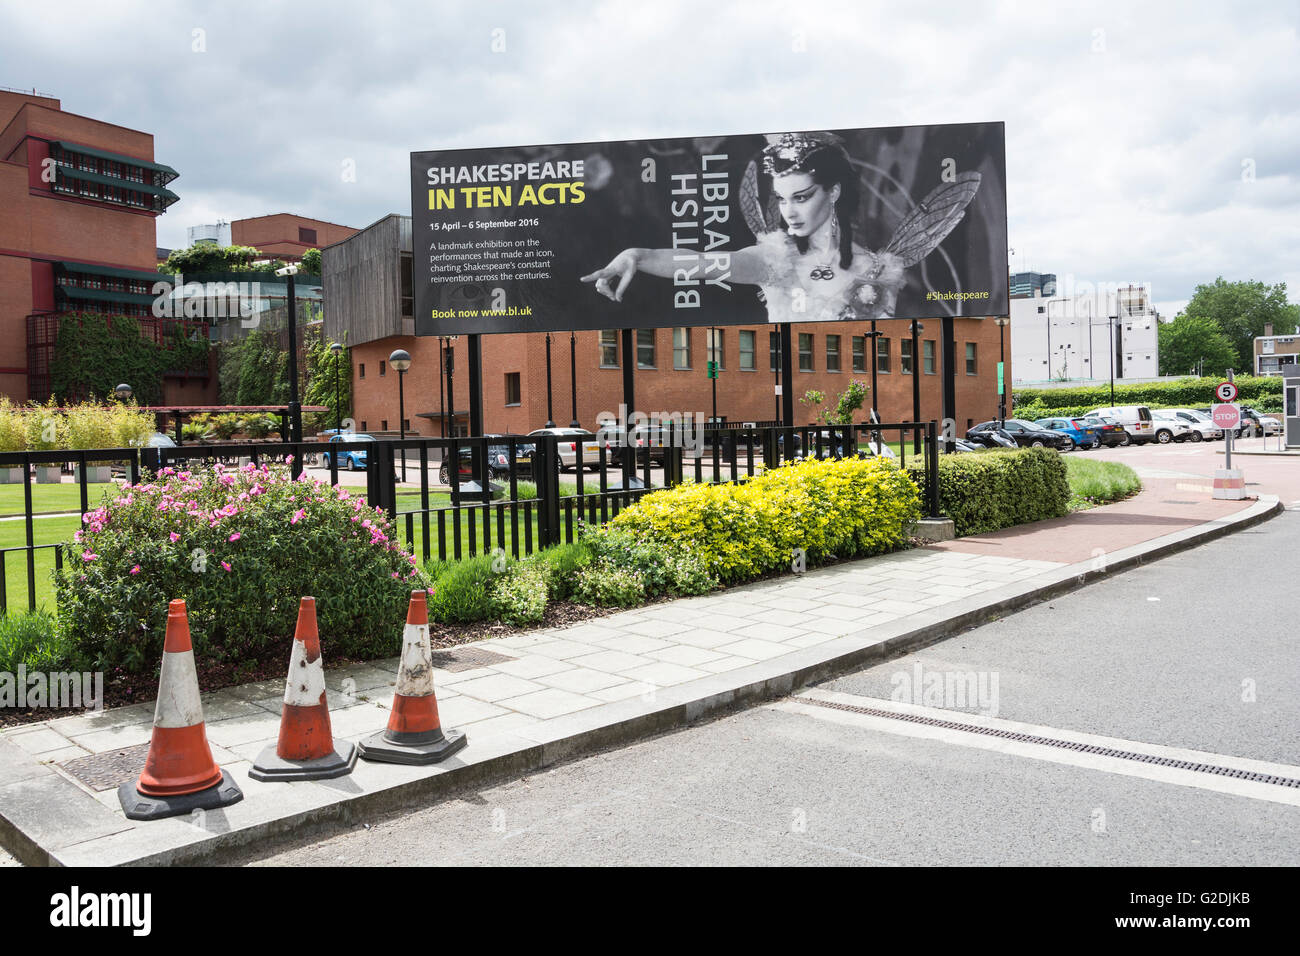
point(1153, 142)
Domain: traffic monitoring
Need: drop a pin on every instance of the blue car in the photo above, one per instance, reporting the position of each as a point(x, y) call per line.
point(1080, 433)
point(349, 459)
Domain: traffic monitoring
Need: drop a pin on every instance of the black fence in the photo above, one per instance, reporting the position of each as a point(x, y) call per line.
point(539, 491)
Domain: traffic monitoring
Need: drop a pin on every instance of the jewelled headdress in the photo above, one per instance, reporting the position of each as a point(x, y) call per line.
point(790, 152)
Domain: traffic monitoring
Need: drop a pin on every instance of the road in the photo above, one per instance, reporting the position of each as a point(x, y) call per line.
point(1195, 651)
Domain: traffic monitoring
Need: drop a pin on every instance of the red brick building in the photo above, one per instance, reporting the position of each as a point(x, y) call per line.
point(367, 294)
point(80, 197)
point(283, 235)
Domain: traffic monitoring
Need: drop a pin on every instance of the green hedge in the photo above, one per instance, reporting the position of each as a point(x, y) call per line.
point(1031, 403)
point(986, 491)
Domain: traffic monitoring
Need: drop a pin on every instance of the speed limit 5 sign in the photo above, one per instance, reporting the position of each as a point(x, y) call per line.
point(1226, 392)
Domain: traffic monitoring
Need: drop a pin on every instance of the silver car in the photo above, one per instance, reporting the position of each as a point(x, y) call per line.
point(568, 450)
point(1202, 425)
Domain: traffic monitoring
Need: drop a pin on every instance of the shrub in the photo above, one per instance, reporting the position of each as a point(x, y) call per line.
point(241, 547)
point(462, 590)
point(560, 565)
point(259, 426)
point(1184, 392)
point(663, 568)
point(1099, 482)
point(90, 426)
point(829, 508)
point(607, 586)
point(132, 428)
point(13, 427)
point(31, 638)
point(519, 595)
point(44, 426)
point(998, 489)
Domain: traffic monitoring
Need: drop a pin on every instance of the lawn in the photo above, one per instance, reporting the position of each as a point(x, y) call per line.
point(51, 498)
point(1095, 482)
point(13, 534)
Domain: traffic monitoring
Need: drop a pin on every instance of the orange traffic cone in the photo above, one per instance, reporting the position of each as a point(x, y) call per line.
point(179, 774)
point(414, 734)
point(306, 749)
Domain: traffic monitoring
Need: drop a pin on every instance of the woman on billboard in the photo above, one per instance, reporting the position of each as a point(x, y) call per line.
point(805, 261)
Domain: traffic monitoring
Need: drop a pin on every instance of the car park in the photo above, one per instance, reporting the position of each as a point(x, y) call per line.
point(1202, 427)
point(1077, 430)
point(1170, 428)
point(1136, 420)
point(1026, 434)
point(1110, 432)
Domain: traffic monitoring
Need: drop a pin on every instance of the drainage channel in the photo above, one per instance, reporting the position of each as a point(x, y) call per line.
point(1077, 747)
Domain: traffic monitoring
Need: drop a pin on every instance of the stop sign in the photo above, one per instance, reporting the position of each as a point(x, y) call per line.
point(1226, 417)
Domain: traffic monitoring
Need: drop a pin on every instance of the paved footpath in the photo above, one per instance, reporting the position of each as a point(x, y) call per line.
point(536, 697)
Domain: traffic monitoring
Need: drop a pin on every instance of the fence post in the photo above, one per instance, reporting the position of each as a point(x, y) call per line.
point(381, 489)
point(932, 466)
point(545, 468)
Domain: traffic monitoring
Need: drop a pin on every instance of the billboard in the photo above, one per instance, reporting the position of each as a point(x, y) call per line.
point(814, 226)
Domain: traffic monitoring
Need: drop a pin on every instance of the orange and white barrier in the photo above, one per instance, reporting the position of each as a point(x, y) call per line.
point(306, 748)
point(1229, 484)
point(179, 773)
point(414, 734)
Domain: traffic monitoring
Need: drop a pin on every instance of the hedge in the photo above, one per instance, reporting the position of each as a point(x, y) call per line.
point(740, 531)
point(1031, 403)
point(987, 491)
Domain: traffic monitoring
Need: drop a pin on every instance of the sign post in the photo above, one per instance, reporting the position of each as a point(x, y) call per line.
point(1229, 482)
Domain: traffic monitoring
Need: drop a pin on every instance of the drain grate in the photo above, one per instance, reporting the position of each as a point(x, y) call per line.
point(110, 769)
point(467, 658)
point(1061, 744)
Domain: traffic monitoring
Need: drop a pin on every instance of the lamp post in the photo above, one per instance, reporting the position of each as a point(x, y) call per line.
point(123, 393)
point(295, 407)
point(871, 353)
point(337, 349)
point(400, 359)
point(1002, 323)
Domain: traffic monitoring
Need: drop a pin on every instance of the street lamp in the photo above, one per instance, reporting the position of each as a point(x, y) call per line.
point(123, 392)
point(1002, 323)
point(295, 407)
point(401, 360)
point(337, 349)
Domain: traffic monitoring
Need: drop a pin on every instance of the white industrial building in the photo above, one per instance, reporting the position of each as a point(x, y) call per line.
point(217, 234)
point(1081, 337)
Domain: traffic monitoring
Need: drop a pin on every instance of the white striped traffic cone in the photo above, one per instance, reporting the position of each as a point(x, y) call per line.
point(306, 749)
point(414, 734)
point(179, 774)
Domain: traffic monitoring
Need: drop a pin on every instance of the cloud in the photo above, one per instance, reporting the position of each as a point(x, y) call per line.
point(1157, 142)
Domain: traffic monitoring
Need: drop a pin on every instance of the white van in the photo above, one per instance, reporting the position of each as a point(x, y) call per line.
point(1136, 420)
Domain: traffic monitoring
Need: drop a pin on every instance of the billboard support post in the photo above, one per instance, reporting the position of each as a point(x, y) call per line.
point(573, 377)
point(787, 378)
point(475, 343)
point(916, 383)
point(947, 325)
point(550, 411)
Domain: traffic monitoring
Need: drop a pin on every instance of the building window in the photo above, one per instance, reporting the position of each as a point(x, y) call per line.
point(858, 344)
point(383, 425)
point(609, 348)
point(746, 351)
point(905, 356)
point(406, 424)
point(307, 235)
point(361, 373)
point(681, 348)
point(805, 352)
point(713, 343)
point(773, 351)
point(927, 353)
point(364, 426)
point(645, 348)
point(882, 354)
point(383, 368)
point(970, 358)
point(512, 388)
point(832, 353)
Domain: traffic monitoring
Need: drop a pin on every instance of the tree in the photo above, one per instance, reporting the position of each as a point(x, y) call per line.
point(1241, 310)
point(846, 403)
point(322, 365)
point(1192, 343)
point(311, 261)
point(206, 257)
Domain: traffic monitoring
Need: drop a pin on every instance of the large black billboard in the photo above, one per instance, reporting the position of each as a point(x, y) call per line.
point(829, 225)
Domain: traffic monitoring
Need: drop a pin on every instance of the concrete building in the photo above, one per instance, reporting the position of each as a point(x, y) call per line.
point(368, 300)
point(80, 198)
point(1274, 352)
point(1084, 337)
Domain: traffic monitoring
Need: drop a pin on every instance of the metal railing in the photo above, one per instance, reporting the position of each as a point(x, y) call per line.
point(528, 502)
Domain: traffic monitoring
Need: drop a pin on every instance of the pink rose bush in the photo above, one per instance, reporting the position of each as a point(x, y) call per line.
point(241, 546)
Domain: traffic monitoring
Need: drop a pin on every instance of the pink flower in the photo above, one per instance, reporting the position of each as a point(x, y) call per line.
point(298, 516)
point(226, 565)
point(88, 555)
point(136, 569)
point(234, 537)
point(173, 537)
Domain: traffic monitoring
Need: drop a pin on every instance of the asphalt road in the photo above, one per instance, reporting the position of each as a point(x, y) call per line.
point(1195, 651)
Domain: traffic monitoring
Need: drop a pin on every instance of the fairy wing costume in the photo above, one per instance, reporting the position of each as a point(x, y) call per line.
point(876, 277)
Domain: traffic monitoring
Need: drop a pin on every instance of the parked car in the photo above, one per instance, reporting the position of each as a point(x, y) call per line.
point(1272, 426)
point(992, 438)
point(1170, 428)
point(352, 460)
point(963, 445)
point(1026, 434)
point(568, 450)
point(1110, 432)
point(1076, 429)
point(1136, 420)
point(1262, 424)
point(1201, 425)
point(498, 461)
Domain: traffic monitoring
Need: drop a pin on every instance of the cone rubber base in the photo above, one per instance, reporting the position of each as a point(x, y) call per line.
point(137, 806)
point(271, 767)
point(380, 749)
